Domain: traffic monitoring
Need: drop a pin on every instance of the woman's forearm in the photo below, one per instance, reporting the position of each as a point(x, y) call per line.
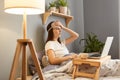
point(59, 60)
point(73, 35)
point(71, 32)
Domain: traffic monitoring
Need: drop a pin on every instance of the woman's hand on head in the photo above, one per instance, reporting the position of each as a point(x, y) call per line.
point(59, 24)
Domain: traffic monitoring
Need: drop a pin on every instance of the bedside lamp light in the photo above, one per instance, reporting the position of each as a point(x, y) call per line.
point(24, 7)
point(31, 7)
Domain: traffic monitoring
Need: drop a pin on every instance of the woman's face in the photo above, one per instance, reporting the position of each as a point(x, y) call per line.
point(56, 29)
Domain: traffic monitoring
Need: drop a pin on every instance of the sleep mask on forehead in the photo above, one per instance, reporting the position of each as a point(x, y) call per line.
point(55, 26)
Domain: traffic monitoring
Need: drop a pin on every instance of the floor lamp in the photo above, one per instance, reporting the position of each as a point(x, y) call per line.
point(24, 7)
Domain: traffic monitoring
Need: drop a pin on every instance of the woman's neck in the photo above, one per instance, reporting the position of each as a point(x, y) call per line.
point(55, 39)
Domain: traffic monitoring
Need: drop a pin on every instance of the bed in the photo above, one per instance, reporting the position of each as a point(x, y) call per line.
point(109, 71)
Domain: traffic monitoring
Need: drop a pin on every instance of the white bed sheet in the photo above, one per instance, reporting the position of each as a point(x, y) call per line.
point(108, 71)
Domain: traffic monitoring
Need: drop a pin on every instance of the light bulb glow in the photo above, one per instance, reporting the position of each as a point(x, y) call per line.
point(31, 7)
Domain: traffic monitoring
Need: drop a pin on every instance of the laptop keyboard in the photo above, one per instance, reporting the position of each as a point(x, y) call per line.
point(94, 55)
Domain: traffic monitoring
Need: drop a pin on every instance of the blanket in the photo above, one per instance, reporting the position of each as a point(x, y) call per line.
point(108, 71)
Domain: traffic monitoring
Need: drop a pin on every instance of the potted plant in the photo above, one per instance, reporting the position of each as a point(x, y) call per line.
point(63, 6)
point(52, 6)
point(92, 43)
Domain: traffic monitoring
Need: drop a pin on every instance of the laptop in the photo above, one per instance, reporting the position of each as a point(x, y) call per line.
point(105, 50)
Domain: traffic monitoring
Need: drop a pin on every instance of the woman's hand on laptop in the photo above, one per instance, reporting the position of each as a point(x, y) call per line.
point(73, 56)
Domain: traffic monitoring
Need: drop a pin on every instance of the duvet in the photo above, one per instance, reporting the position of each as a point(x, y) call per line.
point(108, 71)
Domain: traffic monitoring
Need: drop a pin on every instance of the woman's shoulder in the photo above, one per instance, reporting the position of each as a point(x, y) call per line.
point(54, 42)
point(50, 42)
point(49, 45)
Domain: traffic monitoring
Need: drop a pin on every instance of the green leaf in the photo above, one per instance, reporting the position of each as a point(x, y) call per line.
point(62, 3)
point(92, 43)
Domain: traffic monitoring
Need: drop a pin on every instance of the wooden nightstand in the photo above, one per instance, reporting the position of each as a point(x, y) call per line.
point(92, 62)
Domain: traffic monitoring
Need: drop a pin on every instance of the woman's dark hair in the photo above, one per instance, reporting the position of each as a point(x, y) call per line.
point(50, 33)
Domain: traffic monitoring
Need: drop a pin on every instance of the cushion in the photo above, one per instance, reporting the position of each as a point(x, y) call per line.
point(31, 65)
point(45, 61)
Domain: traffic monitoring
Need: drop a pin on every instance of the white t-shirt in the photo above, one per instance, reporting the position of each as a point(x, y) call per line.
point(59, 49)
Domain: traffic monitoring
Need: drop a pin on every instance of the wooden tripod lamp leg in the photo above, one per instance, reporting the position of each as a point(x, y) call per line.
point(36, 61)
point(24, 62)
point(15, 61)
point(22, 43)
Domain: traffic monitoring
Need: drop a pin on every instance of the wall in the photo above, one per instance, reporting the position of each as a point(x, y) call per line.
point(119, 28)
point(101, 17)
point(78, 24)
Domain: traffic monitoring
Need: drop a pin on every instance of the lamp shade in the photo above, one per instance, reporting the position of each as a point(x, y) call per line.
point(30, 7)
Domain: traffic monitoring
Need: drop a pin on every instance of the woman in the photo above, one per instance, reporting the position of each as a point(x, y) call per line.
point(56, 49)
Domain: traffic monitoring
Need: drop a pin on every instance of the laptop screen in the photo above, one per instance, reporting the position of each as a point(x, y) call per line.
point(107, 46)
